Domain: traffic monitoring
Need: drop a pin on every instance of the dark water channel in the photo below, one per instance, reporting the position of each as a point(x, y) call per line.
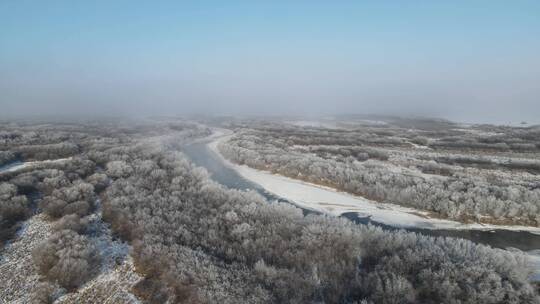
point(8, 165)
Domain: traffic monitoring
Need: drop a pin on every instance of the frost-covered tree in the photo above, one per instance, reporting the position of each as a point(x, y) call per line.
point(67, 258)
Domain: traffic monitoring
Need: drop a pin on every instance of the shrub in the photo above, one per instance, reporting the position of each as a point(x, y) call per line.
point(67, 258)
point(53, 207)
point(100, 181)
point(81, 208)
point(118, 169)
point(76, 198)
point(14, 209)
point(71, 222)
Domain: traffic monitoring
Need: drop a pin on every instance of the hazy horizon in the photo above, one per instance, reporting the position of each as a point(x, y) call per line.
point(462, 61)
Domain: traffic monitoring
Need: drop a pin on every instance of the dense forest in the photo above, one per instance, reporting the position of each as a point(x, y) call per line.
point(484, 174)
point(191, 240)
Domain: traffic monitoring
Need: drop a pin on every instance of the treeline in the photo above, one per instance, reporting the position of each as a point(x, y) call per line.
point(491, 138)
point(482, 138)
point(45, 152)
point(38, 142)
point(484, 162)
point(173, 214)
point(13, 208)
point(6, 157)
point(457, 196)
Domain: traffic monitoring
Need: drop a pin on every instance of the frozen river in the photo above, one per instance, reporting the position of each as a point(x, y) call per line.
point(202, 155)
point(205, 157)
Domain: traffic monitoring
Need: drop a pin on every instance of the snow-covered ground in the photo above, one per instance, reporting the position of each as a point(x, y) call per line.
point(18, 275)
point(32, 163)
point(331, 201)
point(112, 284)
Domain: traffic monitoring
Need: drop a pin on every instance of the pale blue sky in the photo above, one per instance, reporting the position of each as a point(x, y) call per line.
point(463, 60)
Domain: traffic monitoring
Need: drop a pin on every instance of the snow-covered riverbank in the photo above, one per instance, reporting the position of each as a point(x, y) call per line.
point(330, 201)
point(23, 165)
point(333, 202)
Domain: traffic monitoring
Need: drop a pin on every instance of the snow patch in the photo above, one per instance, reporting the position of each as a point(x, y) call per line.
point(417, 146)
point(33, 163)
